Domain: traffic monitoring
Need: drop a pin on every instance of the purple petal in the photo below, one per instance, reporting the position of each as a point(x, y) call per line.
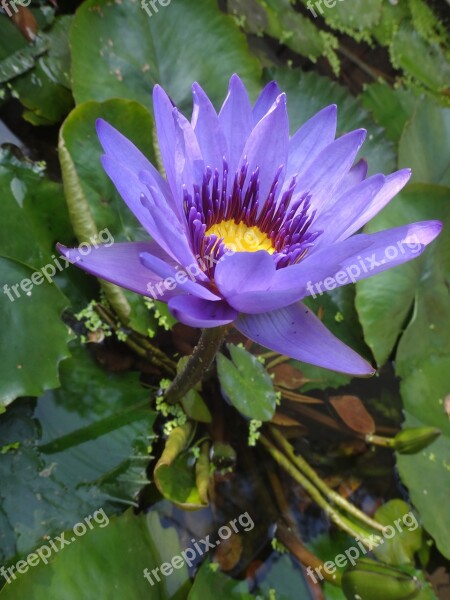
point(356, 174)
point(296, 332)
point(130, 189)
point(165, 128)
point(267, 146)
point(312, 137)
point(346, 211)
point(367, 255)
point(394, 183)
point(327, 170)
point(208, 130)
point(120, 264)
point(251, 284)
point(287, 285)
point(123, 151)
point(236, 120)
point(138, 198)
point(197, 312)
point(166, 228)
point(244, 272)
point(341, 263)
point(176, 278)
point(265, 101)
point(189, 164)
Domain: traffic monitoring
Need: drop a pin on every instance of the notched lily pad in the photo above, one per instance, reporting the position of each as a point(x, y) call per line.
point(246, 384)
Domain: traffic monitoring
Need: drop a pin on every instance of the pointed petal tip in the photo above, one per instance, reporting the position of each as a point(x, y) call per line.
point(368, 372)
point(281, 99)
point(102, 126)
point(359, 132)
point(431, 230)
point(160, 95)
point(236, 82)
point(273, 85)
point(402, 175)
point(330, 109)
point(355, 137)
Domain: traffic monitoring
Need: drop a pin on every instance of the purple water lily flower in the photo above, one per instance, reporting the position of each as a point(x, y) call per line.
point(249, 221)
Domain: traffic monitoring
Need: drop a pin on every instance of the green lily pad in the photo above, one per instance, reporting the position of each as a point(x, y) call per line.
point(385, 300)
point(391, 108)
point(80, 139)
point(426, 474)
point(433, 67)
point(165, 48)
point(404, 537)
point(178, 484)
point(110, 562)
point(246, 384)
point(176, 471)
point(31, 199)
point(30, 303)
point(210, 578)
point(428, 130)
point(195, 407)
point(351, 16)
point(45, 89)
point(31, 322)
point(81, 447)
point(280, 20)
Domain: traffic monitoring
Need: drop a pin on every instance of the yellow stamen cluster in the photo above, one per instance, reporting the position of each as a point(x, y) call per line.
point(241, 238)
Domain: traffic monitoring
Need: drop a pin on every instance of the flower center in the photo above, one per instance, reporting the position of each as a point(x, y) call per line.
point(240, 237)
point(228, 214)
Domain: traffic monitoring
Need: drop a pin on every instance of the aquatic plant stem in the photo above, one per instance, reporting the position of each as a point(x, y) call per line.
point(290, 540)
point(329, 493)
point(138, 343)
point(198, 363)
point(311, 490)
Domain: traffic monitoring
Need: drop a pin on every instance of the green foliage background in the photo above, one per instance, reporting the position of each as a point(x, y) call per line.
point(73, 436)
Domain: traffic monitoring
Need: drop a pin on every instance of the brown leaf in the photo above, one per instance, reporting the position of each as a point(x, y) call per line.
point(354, 414)
point(288, 376)
point(25, 21)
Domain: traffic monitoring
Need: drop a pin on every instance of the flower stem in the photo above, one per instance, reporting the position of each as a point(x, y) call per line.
point(379, 440)
point(198, 363)
point(329, 493)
